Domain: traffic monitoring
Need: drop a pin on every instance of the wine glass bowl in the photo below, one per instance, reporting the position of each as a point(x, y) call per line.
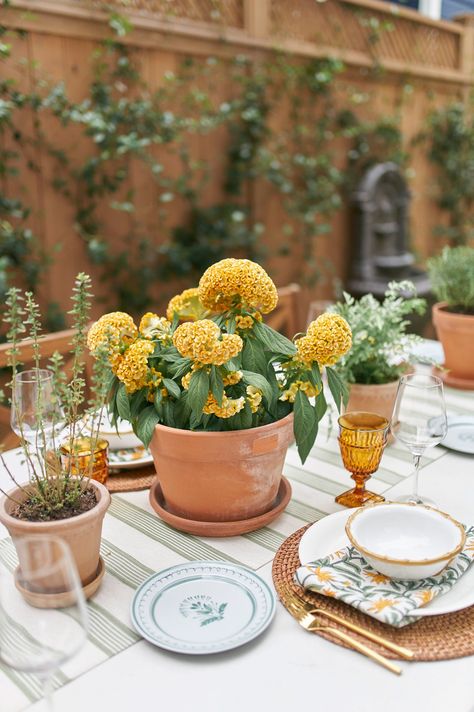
point(36, 415)
point(419, 421)
point(362, 439)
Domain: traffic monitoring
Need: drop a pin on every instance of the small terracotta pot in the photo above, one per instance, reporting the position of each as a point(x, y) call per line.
point(82, 533)
point(456, 333)
point(373, 398)
point(223, 476)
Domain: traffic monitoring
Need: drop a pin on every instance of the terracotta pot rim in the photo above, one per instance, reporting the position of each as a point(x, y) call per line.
point(374, 385)
point(101, 506)
point(440, 307)
point(227, 433)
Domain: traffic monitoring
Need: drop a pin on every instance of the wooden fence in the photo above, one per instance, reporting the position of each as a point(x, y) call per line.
point(437, 58)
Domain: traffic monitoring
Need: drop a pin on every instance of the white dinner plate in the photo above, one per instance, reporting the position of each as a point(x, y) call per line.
point(328, 535)
point(130, 457)
point(202, 607)
point(460, 436)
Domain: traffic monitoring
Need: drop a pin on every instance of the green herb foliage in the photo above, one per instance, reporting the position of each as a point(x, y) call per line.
point(452, 278)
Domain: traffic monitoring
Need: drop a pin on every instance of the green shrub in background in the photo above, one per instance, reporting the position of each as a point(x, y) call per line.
point(452, 278)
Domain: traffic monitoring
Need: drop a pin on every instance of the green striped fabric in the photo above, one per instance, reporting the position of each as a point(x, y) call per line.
point(137, 543)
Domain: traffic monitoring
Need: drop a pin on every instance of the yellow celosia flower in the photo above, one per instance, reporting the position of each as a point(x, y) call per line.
point(112, 329)
point(232, 378)
point(153, 326)
point(242, 281)
point(305, 386)
point(254, 398)
point(327, 339)
point(247, 322)
point(229, 407)
point(132, 369)
point(202, 341)
point(186, 305)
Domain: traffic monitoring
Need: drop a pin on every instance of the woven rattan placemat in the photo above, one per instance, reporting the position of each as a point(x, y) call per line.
point(131, 480)
point(435, 638)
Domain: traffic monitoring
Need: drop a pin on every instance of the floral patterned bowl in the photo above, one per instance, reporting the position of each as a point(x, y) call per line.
point(405, 541)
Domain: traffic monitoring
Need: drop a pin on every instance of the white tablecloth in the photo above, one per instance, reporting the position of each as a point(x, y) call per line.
point(285, 668)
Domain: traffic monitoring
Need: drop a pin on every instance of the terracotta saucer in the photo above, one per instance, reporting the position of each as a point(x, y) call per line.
point(449, 380)
point(242, 526)
point(64, 599)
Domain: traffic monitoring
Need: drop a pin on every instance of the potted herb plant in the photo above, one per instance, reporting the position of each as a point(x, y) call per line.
point(220, 398)
point(56, 500)
point(381, 348)
point(452, 281)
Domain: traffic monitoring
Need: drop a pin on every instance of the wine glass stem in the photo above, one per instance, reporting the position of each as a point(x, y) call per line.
point(415, 495)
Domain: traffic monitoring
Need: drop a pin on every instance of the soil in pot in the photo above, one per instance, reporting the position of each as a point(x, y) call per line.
point(28, 510)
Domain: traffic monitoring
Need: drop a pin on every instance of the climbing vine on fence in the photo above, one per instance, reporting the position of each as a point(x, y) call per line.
point(307, 160)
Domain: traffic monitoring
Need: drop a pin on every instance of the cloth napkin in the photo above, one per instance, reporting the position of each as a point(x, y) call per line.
point(346, 575)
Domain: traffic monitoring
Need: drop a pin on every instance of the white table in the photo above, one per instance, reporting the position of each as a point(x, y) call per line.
point(285, 668)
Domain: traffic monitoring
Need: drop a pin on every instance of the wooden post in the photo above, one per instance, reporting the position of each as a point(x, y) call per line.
point(257, 17)
point(466, 58)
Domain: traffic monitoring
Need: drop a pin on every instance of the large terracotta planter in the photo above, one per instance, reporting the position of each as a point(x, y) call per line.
point(373, 398)
point(223, 476)
point(456, 333)
point(82, 533)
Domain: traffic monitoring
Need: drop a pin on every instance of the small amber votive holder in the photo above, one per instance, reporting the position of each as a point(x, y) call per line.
point(362, 439)
point(88, 457)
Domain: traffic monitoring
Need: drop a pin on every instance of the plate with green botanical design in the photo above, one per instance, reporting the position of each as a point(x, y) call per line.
point(328, 535)
point(202, 607)
point(130, 457)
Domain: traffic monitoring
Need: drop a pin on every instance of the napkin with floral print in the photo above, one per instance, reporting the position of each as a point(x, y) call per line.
point(347, 576)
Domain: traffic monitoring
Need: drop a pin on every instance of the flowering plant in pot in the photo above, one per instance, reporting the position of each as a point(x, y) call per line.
point(381, 349)
point(56, 500)
point(220, 396)
point(452, 281)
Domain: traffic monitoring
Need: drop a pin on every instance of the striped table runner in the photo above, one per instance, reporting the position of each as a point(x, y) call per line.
point(137, 543)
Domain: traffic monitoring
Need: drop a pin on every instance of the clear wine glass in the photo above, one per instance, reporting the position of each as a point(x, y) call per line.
point(419, 421)
point(36, 414)
point(43, 614)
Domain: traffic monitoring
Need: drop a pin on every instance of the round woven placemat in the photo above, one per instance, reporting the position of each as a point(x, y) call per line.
point(435, 638)
point(131, 480)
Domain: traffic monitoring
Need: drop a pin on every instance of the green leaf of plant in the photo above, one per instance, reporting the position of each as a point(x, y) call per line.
point(123, 403)
point(145, 426)
point(217, 384)
point(172, 387)
point(305, 425)
point(198, 391)
point(260, 382)
point(320, 405)
point(272, 340)
point(337, 387)
point(254, 357)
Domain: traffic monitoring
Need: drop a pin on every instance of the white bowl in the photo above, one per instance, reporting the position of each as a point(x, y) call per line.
point(120, 437)
point(405, 541)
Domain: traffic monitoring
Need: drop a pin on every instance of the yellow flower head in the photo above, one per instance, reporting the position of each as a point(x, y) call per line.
point(232, 378)
point(186, 305)
point(202, 341)
point(247, 322)
point(153, 326)
point(254, 397)
point(229, 407)
point(290, 393)
point(242, 281)
point(132, 367)
point(327, 339)
point(112, 329)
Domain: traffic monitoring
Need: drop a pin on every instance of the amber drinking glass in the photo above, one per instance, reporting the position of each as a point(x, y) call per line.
point(362, 438)
point(79, 461)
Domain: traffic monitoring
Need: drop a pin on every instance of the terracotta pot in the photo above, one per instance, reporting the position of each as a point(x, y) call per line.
point(373, 398)
point(224, 476)
point(456, 333)
point(81, 533)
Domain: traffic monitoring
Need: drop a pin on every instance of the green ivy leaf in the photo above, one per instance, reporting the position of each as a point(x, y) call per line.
point(146, 422)
point(305, 425)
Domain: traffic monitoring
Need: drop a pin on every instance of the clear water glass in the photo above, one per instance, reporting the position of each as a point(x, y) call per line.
point(36, 414)
point(43, 614)
point(419, 421)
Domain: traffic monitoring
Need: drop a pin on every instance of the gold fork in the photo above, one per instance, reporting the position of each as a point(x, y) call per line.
point(310, 623)
point(399, 649)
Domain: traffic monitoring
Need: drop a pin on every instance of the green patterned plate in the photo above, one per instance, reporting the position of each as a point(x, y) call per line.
point(202, 607)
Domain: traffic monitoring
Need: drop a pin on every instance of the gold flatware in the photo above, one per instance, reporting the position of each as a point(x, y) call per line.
point(310, 623)
point(399, 649)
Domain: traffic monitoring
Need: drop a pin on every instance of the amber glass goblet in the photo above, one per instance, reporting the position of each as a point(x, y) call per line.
point(362, 438)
